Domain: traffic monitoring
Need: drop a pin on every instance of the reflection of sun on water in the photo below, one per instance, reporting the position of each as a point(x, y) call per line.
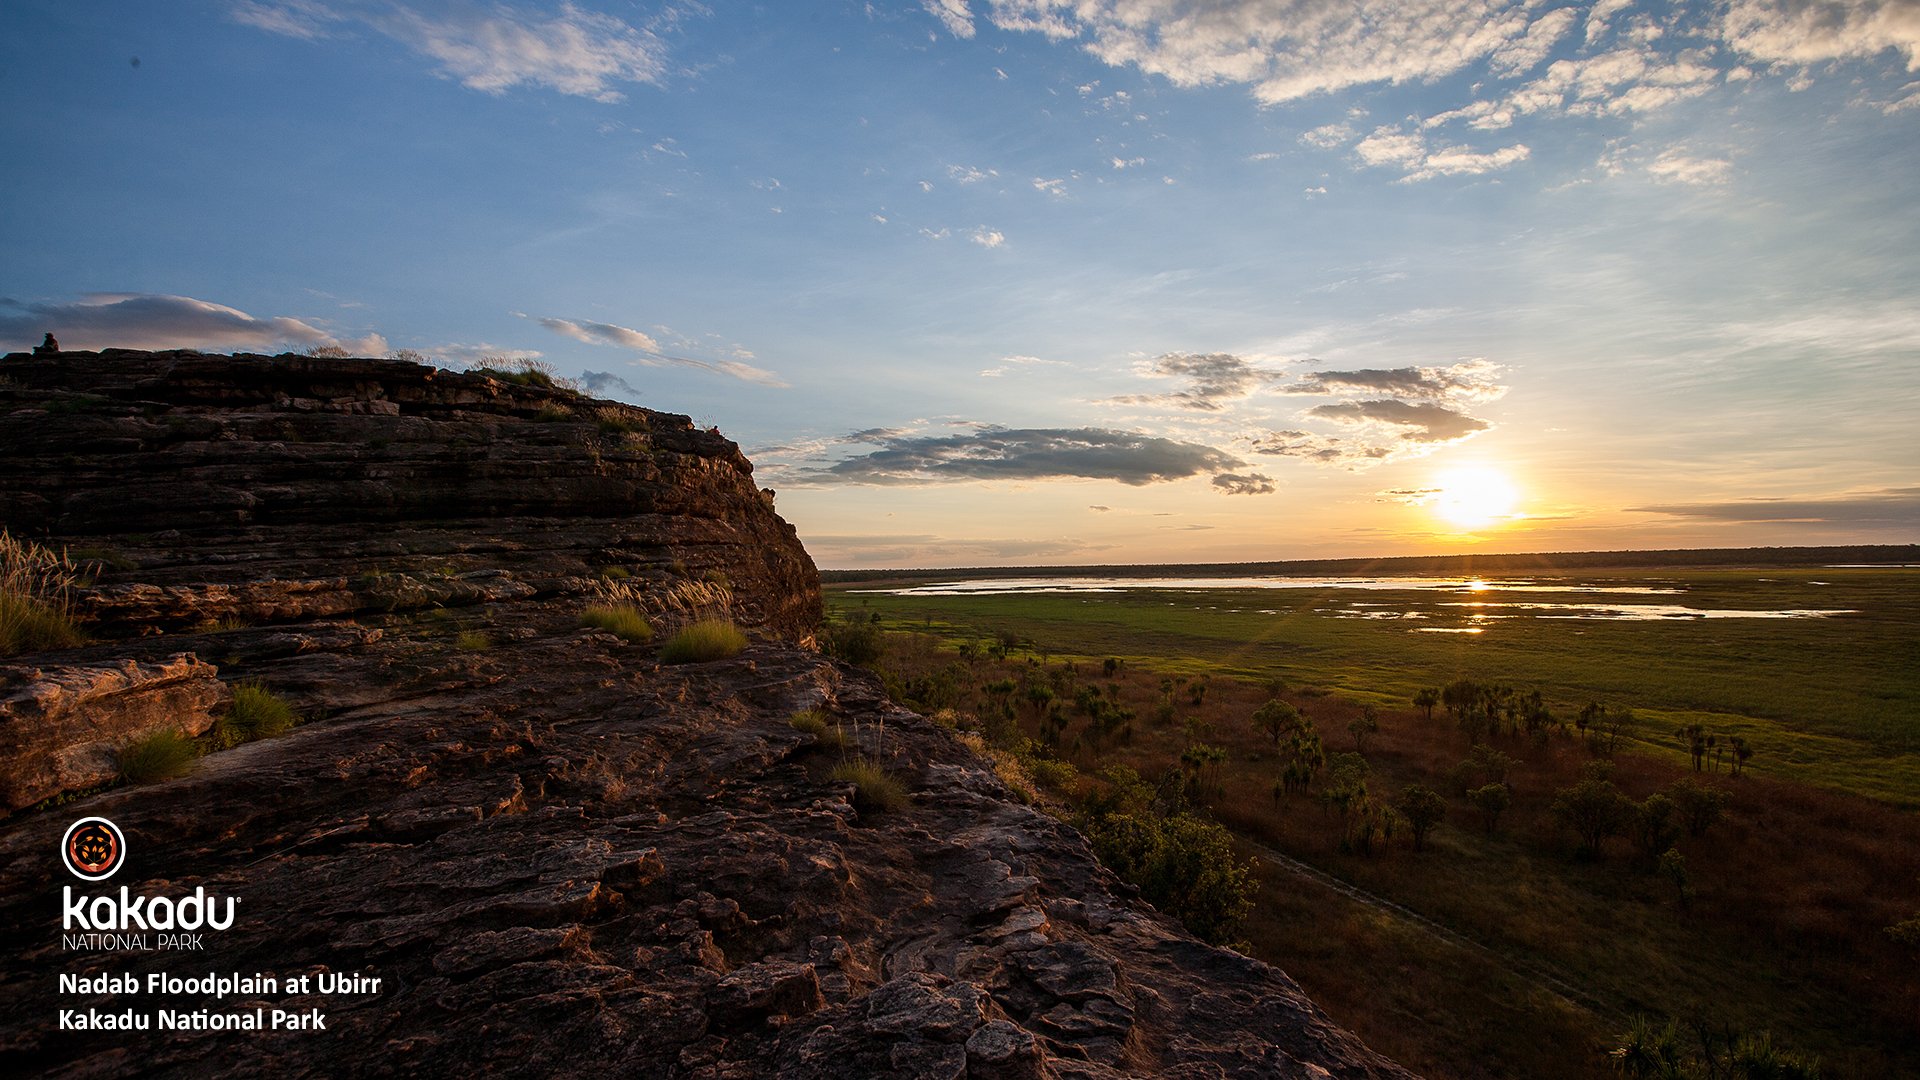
point(1475, 498)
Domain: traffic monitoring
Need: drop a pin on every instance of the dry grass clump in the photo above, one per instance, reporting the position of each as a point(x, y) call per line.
point(257, 713)
point(708, 639)
point(873, 787)
point(36, 585)
point(825, 730)
point(162, 755)
point(624, 621)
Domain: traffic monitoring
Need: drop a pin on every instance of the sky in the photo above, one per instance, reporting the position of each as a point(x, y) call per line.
point(985, 282)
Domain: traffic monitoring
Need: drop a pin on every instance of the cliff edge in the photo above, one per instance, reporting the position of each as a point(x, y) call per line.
point(553, 852)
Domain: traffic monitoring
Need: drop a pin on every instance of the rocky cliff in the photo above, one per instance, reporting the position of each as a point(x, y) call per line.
point(556, 854)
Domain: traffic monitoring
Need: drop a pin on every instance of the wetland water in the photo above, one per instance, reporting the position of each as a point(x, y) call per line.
point(1453, 605)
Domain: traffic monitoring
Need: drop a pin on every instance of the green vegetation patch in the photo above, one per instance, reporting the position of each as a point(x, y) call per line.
point(624, 621)
point(709, 639)
point(257, 713)
point(162, 755)
point(874, 789)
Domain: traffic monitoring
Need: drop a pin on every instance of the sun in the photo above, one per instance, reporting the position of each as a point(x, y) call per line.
point(1475, 497)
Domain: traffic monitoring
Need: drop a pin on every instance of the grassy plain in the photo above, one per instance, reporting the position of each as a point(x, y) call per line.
point(1546, 956)
point(1833, 701)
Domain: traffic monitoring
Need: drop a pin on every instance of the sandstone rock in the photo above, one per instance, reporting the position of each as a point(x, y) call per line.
point(61, 726)
point(560, 857)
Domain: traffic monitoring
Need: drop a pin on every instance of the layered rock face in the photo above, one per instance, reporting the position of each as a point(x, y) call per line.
point(557, 855)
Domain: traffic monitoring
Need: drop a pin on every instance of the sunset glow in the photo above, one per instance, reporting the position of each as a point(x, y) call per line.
point(980, 284)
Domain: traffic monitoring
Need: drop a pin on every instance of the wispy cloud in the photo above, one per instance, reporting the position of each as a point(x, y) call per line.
point(492, 49)
point(1008, 363)
point(1472, 380)
point(623, 337)
point(1677, 166)
point(160, 321)
point(1129, 457)
point(1888, 506)
point(1213, 380)
point(953, 15)
point(1244, 483)
point(1418, 423)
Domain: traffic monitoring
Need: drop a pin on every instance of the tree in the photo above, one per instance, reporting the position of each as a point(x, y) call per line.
point(1197, 691)
point(1741, 752)
point(1277, 719)
point(1698, 805)
point(1426, 699)
point(1696, 737)
point(1421, 808)
point(1655, 826)
point(1673, 867)
point(1595, 810)
point(1492, 801)
point(1346, 782)
point(1364, 725)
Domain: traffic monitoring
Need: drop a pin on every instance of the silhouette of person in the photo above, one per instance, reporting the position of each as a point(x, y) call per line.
point(47, 347)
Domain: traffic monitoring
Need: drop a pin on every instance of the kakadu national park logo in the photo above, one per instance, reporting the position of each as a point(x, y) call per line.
point(93, 849)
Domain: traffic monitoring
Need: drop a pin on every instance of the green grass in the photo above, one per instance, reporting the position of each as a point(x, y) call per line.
point(825, 730)
point(162, 755)
point(874, 789)
point(709, 639)
point(624, 621)
point(472, 641)
point(257, 713)
point(1825, 701)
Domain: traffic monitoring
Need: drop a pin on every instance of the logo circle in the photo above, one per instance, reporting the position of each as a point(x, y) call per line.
point(93, 848)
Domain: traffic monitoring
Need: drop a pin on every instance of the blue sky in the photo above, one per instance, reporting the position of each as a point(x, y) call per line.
point(1032, 281)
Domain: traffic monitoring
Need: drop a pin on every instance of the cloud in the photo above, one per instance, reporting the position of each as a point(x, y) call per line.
point(1128, 457)
point(470, 355)
point(606, 384)
point(495, 48)
point(1468, 381)
point(928, 549)
point(987, 238)
point(1326, 136)
point(160, 321)
point(303, 19)
point(1214, 379)
point(967, 174)
point(599, 333)
point(1098, 509)
point(1391, 147)
point(1244, 484)
point(1420, 423)
point(1009, 362)
point(1889, 506)
point(1321, 449)
point(1814, 31)
point(953, 15)
point(1605, 62)
point(1675, 166)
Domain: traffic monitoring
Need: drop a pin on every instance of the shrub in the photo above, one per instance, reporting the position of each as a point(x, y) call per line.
point(709, 639)
point(623, 621)
point(856, 642)
point(1183, 865)
point(873, 788)
point(551, 413)
point(162, 755)
point(472, 641)
point(257, 713)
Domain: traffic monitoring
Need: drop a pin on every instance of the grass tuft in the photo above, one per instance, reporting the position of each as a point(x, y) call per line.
point(709, 639)
point(35, 583)
point(826, 732)
point(472, 641)
point(623, 621)
point(257, 713)
point(162, 755)
point(873, 787)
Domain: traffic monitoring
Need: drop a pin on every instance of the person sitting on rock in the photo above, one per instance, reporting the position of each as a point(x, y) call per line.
point(47, 347)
